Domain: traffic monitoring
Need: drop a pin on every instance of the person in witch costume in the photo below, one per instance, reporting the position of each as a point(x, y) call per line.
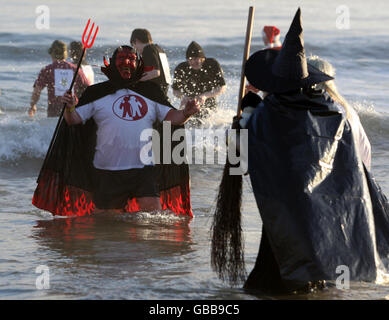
point(320, 207)
point(330, 88)
point(271, 40)
point(96, 162)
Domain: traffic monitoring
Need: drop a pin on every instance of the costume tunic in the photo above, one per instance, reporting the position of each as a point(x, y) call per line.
point(320, 207)
point(67, 180)
point(57, 77)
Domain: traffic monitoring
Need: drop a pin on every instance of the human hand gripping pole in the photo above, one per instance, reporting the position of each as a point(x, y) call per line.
point(87, 43)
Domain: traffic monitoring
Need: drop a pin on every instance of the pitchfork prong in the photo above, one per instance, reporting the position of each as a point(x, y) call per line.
point(86, 45)
point(83, 35)
point(94, 37)
point(90, 32)
point(86, 42)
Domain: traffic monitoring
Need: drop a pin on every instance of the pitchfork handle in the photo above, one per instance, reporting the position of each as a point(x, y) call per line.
point(63, 108)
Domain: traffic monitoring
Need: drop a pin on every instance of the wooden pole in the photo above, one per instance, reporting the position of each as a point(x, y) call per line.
point(246, 54)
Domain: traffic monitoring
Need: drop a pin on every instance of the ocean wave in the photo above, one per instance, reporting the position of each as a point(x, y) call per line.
point(375, 123)
point(24, 139)
point(15, 46)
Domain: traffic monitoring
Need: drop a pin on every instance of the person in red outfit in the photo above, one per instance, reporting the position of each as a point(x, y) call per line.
point(271, 37)
point(57, 77)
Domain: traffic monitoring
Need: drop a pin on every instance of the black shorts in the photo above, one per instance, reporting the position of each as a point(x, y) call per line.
point(113, 188)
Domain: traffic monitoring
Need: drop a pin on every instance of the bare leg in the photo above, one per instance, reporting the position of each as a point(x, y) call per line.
point(149, 203)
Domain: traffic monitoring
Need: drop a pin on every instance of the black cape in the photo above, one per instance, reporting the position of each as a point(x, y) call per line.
point(320, 207)
point(66, 180)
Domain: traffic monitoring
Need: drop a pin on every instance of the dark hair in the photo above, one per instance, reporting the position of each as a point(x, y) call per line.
point(76, 48)
point(143, 35)
point(58, 50)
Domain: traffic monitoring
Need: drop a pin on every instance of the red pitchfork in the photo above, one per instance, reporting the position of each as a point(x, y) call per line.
point(86, 44)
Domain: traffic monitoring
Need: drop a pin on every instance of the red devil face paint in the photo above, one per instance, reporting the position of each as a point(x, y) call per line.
point(125, 63)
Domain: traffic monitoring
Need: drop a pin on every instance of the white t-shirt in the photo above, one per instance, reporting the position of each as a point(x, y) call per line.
point(89, 74)
point(121, 117)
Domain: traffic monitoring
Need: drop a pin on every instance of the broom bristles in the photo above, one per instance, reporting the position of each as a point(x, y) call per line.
point(227, 248)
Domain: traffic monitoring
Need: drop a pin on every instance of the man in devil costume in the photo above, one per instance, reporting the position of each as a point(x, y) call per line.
point(320, 207)
point(96, 164)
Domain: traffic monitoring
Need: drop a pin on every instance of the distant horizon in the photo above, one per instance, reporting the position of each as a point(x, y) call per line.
point(171, 21)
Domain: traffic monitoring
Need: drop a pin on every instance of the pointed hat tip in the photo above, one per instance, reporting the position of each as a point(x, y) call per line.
point(298, 14)
point(297, 22)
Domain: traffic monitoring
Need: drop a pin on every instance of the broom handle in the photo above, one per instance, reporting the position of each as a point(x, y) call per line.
point(246, 54)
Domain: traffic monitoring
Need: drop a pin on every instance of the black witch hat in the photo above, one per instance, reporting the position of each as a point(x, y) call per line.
point(287, 69)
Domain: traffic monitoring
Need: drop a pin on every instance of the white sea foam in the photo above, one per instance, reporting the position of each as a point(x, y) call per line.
point(382, 277)
point(24, 138)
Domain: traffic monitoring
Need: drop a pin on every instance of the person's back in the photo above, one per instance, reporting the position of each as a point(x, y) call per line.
point(156, 65)
point(356, 126)
point(57, 77)
point(319, 207)
point(154, 56)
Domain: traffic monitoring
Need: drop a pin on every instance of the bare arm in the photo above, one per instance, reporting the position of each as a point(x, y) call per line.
point(72, 117)
point(211, 94)
point(34, 100)
point(178, 117)
point(150, 75)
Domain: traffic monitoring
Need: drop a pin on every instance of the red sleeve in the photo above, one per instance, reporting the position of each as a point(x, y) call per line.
point(43, 78)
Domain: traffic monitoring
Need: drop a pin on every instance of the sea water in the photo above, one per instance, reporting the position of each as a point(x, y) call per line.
point(157, 256)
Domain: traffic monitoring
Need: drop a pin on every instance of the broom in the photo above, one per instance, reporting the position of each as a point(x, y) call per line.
point(227, 247)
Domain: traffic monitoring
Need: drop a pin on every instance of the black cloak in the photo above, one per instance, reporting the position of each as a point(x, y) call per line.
point(320, 207)
point(66, 180)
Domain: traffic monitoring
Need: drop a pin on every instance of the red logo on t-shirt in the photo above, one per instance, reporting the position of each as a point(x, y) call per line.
point(130, 107)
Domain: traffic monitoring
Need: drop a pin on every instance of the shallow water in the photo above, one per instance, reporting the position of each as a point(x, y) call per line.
point(154, 256)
